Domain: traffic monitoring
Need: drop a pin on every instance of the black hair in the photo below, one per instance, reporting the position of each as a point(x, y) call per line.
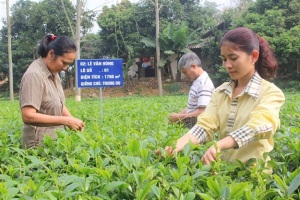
point(60, 44)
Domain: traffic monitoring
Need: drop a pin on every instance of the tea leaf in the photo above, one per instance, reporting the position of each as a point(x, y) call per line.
point(81, 136)
point(280, 183)
point(183, 161)
point(190, 196)
point(134, 146)
point(115, 184)
point(294, 185)
point(50, 195)
point(269, 194)
point(12, 192)
point(225, 193)
point(205, 196)
point(71, 187)
point(213, 185)
point(176, 191)
point(145, 191)
point(237, 189)
point(156, 191)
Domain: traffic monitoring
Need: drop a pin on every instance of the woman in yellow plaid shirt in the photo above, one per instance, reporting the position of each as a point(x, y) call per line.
point(244, 111)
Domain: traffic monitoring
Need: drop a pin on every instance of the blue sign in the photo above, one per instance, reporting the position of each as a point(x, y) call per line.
point(100, 73)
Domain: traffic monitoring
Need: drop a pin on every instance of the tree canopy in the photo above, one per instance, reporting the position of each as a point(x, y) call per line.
point(30, 22)
point(275, 20)
point(279, 22)
point(122, 27)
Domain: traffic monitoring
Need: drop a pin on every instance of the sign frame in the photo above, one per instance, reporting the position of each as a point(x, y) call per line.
point(99, 73)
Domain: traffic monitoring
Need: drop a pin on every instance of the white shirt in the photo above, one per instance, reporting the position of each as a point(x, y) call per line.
point(200, 92)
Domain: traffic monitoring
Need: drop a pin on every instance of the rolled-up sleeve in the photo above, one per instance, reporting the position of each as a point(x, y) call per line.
point(199, 133)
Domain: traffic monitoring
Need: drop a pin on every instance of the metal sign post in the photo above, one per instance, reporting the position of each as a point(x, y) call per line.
point(99, 73)
point(101, 107)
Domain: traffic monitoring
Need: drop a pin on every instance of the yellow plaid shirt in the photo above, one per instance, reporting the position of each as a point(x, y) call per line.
point(252, 118)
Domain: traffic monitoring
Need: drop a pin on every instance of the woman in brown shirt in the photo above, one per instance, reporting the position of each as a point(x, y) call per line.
point(42, 100)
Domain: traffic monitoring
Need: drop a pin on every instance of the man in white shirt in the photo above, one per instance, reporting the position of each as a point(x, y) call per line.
point(200, 91)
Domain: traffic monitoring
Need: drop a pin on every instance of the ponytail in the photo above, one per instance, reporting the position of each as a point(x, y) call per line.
point(60, 45)
point(266, 65)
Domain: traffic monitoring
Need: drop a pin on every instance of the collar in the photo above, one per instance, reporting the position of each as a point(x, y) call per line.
point(45, 69)
point(251, 89)
point(202, 78)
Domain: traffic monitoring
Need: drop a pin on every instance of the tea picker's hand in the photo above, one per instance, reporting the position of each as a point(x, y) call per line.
point(168, 150)
point(210, 155)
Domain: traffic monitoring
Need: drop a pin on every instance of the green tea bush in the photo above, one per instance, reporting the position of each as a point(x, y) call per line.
point(172, 88)
point(114, 157)
point(219, 75)
point(289, 83)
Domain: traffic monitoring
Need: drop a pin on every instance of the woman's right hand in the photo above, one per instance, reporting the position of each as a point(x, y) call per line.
point(75, 124)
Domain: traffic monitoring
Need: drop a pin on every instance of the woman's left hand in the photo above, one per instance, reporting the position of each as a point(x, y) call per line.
point(210, 155)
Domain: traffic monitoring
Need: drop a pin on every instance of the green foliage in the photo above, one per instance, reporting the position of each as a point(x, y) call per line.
point(173, 40)
point(177, 39)
point(113, 158)
point(124, 25)
point(288, 47)
point(211, 50)
point(119, 33)
point(220, 76)
point(89, 47)
point(289, 82)
point(278, 22)
point(172, 88)
point(30, 22)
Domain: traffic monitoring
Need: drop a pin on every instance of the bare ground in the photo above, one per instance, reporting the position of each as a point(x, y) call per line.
point(148, 87)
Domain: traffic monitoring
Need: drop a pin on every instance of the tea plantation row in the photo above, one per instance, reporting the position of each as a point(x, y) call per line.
point(113, 158)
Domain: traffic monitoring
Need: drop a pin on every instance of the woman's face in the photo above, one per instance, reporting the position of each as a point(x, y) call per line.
point(61, 63)
point(238, 64)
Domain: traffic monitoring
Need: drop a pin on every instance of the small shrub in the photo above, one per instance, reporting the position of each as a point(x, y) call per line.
point(172, 88)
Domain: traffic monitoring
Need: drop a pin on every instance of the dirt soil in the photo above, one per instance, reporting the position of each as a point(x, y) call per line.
point(147, 87)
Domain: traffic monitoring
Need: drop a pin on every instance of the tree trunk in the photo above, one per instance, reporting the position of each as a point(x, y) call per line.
point(158, 49)
point(71, 82)
point(11, 85)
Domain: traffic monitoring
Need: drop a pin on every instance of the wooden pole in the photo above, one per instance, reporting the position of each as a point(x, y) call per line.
point(158, 49)
point(78, 22)
point(11, 86)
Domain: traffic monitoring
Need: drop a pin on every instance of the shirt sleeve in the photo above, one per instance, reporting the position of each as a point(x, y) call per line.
point(204, 96)
point(264, 119)
point(31, 91)
point(199, 133)
point(207, 122)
